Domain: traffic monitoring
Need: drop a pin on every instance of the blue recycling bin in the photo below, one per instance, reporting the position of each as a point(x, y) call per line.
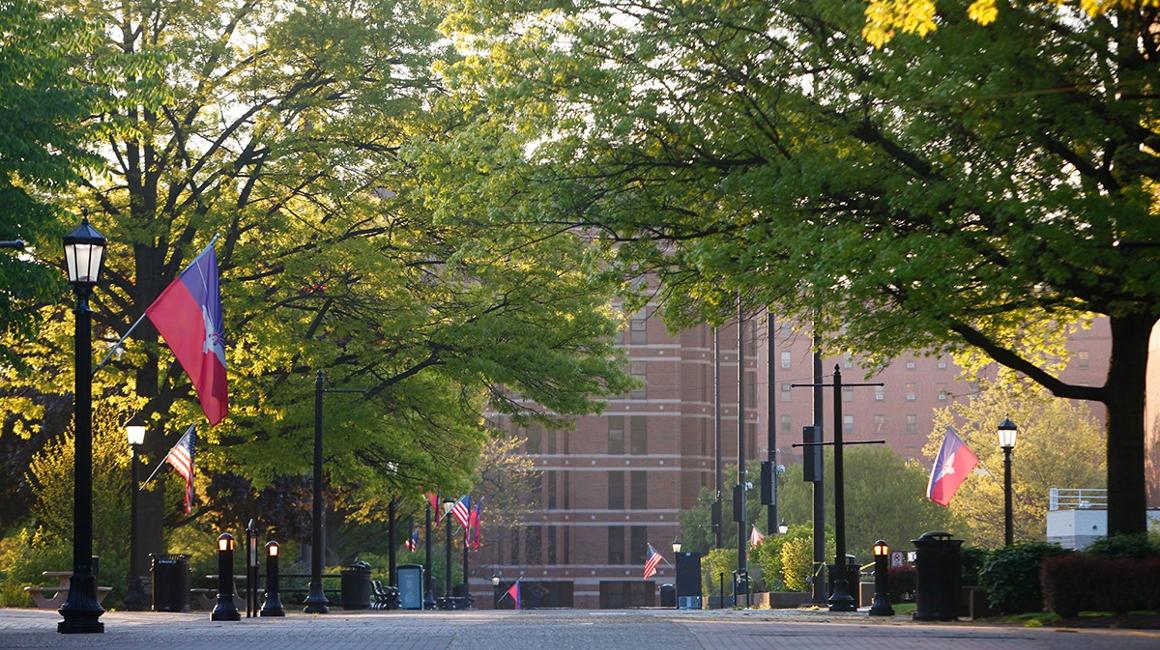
point(410, 577)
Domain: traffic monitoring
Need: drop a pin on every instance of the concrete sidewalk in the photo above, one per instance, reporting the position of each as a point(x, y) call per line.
point(552, 630)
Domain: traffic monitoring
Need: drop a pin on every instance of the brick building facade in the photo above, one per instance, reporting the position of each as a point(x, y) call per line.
point(618, 481)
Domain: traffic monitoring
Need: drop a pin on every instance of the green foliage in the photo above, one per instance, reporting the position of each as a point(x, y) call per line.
point(24, 554)
point(797, 555)
point(1086, 582)
point(41, 136)
point(1126, 546)
point(1060, 444)
point(924, 197)
point(885, 499)
point(716, 562)
point(767, 556)
point(973, 559)
point(1011, 576)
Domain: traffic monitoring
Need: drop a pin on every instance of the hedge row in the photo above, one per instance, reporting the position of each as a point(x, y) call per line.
point(1080, 582)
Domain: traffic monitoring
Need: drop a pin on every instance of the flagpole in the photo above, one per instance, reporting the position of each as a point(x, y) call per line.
point(121, 340)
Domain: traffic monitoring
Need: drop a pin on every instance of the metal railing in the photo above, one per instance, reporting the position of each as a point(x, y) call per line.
point(1077, 499)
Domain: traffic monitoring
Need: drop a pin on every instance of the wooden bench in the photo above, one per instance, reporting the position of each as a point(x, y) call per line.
point(59, 591)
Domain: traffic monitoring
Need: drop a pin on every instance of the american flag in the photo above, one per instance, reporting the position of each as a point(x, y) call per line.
point(755, 537)
point(472, 536)
point(462, 510)
point(412, 542)
point(652, 562)
point(181, 458)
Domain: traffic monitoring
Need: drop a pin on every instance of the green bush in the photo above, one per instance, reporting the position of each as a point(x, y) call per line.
point(767, 556)
point(716, 562)
point(972, 562)
point(1130, 546)
point(902, 583)
point(24, 555)
point(1011, 576)
point(1082, 582)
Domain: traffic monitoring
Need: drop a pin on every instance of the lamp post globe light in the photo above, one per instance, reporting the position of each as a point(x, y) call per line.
point(495, 580)
point(676, 545)
point(881, 605)
point(135, 596)
point(84, 252)
point(782, 528)
point(448, 504)
point(1007, 434)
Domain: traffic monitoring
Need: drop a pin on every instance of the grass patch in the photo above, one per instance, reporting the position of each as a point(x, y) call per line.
point(904, 608)
point(1034, 619)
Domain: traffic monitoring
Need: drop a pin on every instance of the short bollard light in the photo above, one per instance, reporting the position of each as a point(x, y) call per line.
point(225, 609)
point(272, 605)
point(881, 605)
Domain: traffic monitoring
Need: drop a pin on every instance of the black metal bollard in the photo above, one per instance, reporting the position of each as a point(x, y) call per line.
point(881, 605)
point(721, 587)
point(272, 605)
point(251, 570)
point(224, 609)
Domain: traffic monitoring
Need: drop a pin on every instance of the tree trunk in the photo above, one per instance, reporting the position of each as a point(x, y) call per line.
point(1127, 506)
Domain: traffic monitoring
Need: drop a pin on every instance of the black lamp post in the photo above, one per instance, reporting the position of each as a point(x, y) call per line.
point(881, 605)
point(316, 602)
point(1007, 434)
point(84, 251)
point(429, 576)
point(135, 597)
point(448, 504)
point(495, 580)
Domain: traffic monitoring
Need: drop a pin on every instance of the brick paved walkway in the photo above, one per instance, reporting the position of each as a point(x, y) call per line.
point(551, 630)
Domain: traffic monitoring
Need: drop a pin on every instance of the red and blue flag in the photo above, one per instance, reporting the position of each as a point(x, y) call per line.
point(474, 532)
point(951, 467)
point(514, 592)
point(188, 315)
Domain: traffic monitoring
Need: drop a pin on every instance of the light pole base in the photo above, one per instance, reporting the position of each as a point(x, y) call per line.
point(316, 604)
point(81, 611)
point(136, 600)
point(841, 600)
point(881, 605)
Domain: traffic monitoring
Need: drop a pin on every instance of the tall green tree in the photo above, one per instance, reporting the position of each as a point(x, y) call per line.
point(289, 131)
point(976, 190)
point(42, 109)
point(1059, 445)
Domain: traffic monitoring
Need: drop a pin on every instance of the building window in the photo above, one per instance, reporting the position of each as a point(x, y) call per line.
point(550, 477)
point(533, 537)
point(639, 485)
point(942, 392)
point(879, 393)
point(847, 393)
point(750, 389)
point(567, 489)
point(638, 544)
point(567, 545)
point(910, 364)
point(616, 544)
point(638, 328)
point(911, 423)
point(616, 490)
point(638, 435)
point(618, 338)
point(942, 364)
point(751, 439)
point(535, 439)
point(616, 434)
point(515, 544)
point(786, 425)
point(550, 435)
point(704, 437)
point(786, 359)
point(640, 375)
point(911, 392)
point(847, 424)
point(786, 391)
point(879, 424)
point(1083, 358)
point(551, 546)
point(847, 360)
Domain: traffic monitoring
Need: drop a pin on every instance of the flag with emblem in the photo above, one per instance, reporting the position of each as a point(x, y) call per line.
point(951, 467)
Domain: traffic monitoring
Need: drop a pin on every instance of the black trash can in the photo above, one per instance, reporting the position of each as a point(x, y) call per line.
point(170, 582)
point(853, 577)
point(938, 561)
point(356, 586)
point(668, 595)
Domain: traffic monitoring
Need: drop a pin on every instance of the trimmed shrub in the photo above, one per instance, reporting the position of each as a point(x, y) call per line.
point(1081, 582)
point(716, 562)
point(903, 582)
point(1011, 576)
point(1132, 546)
point(972, 562)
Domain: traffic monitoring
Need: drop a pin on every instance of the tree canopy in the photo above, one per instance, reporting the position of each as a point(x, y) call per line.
point(1059, 445)
point(979, 189)
point(294, 133)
